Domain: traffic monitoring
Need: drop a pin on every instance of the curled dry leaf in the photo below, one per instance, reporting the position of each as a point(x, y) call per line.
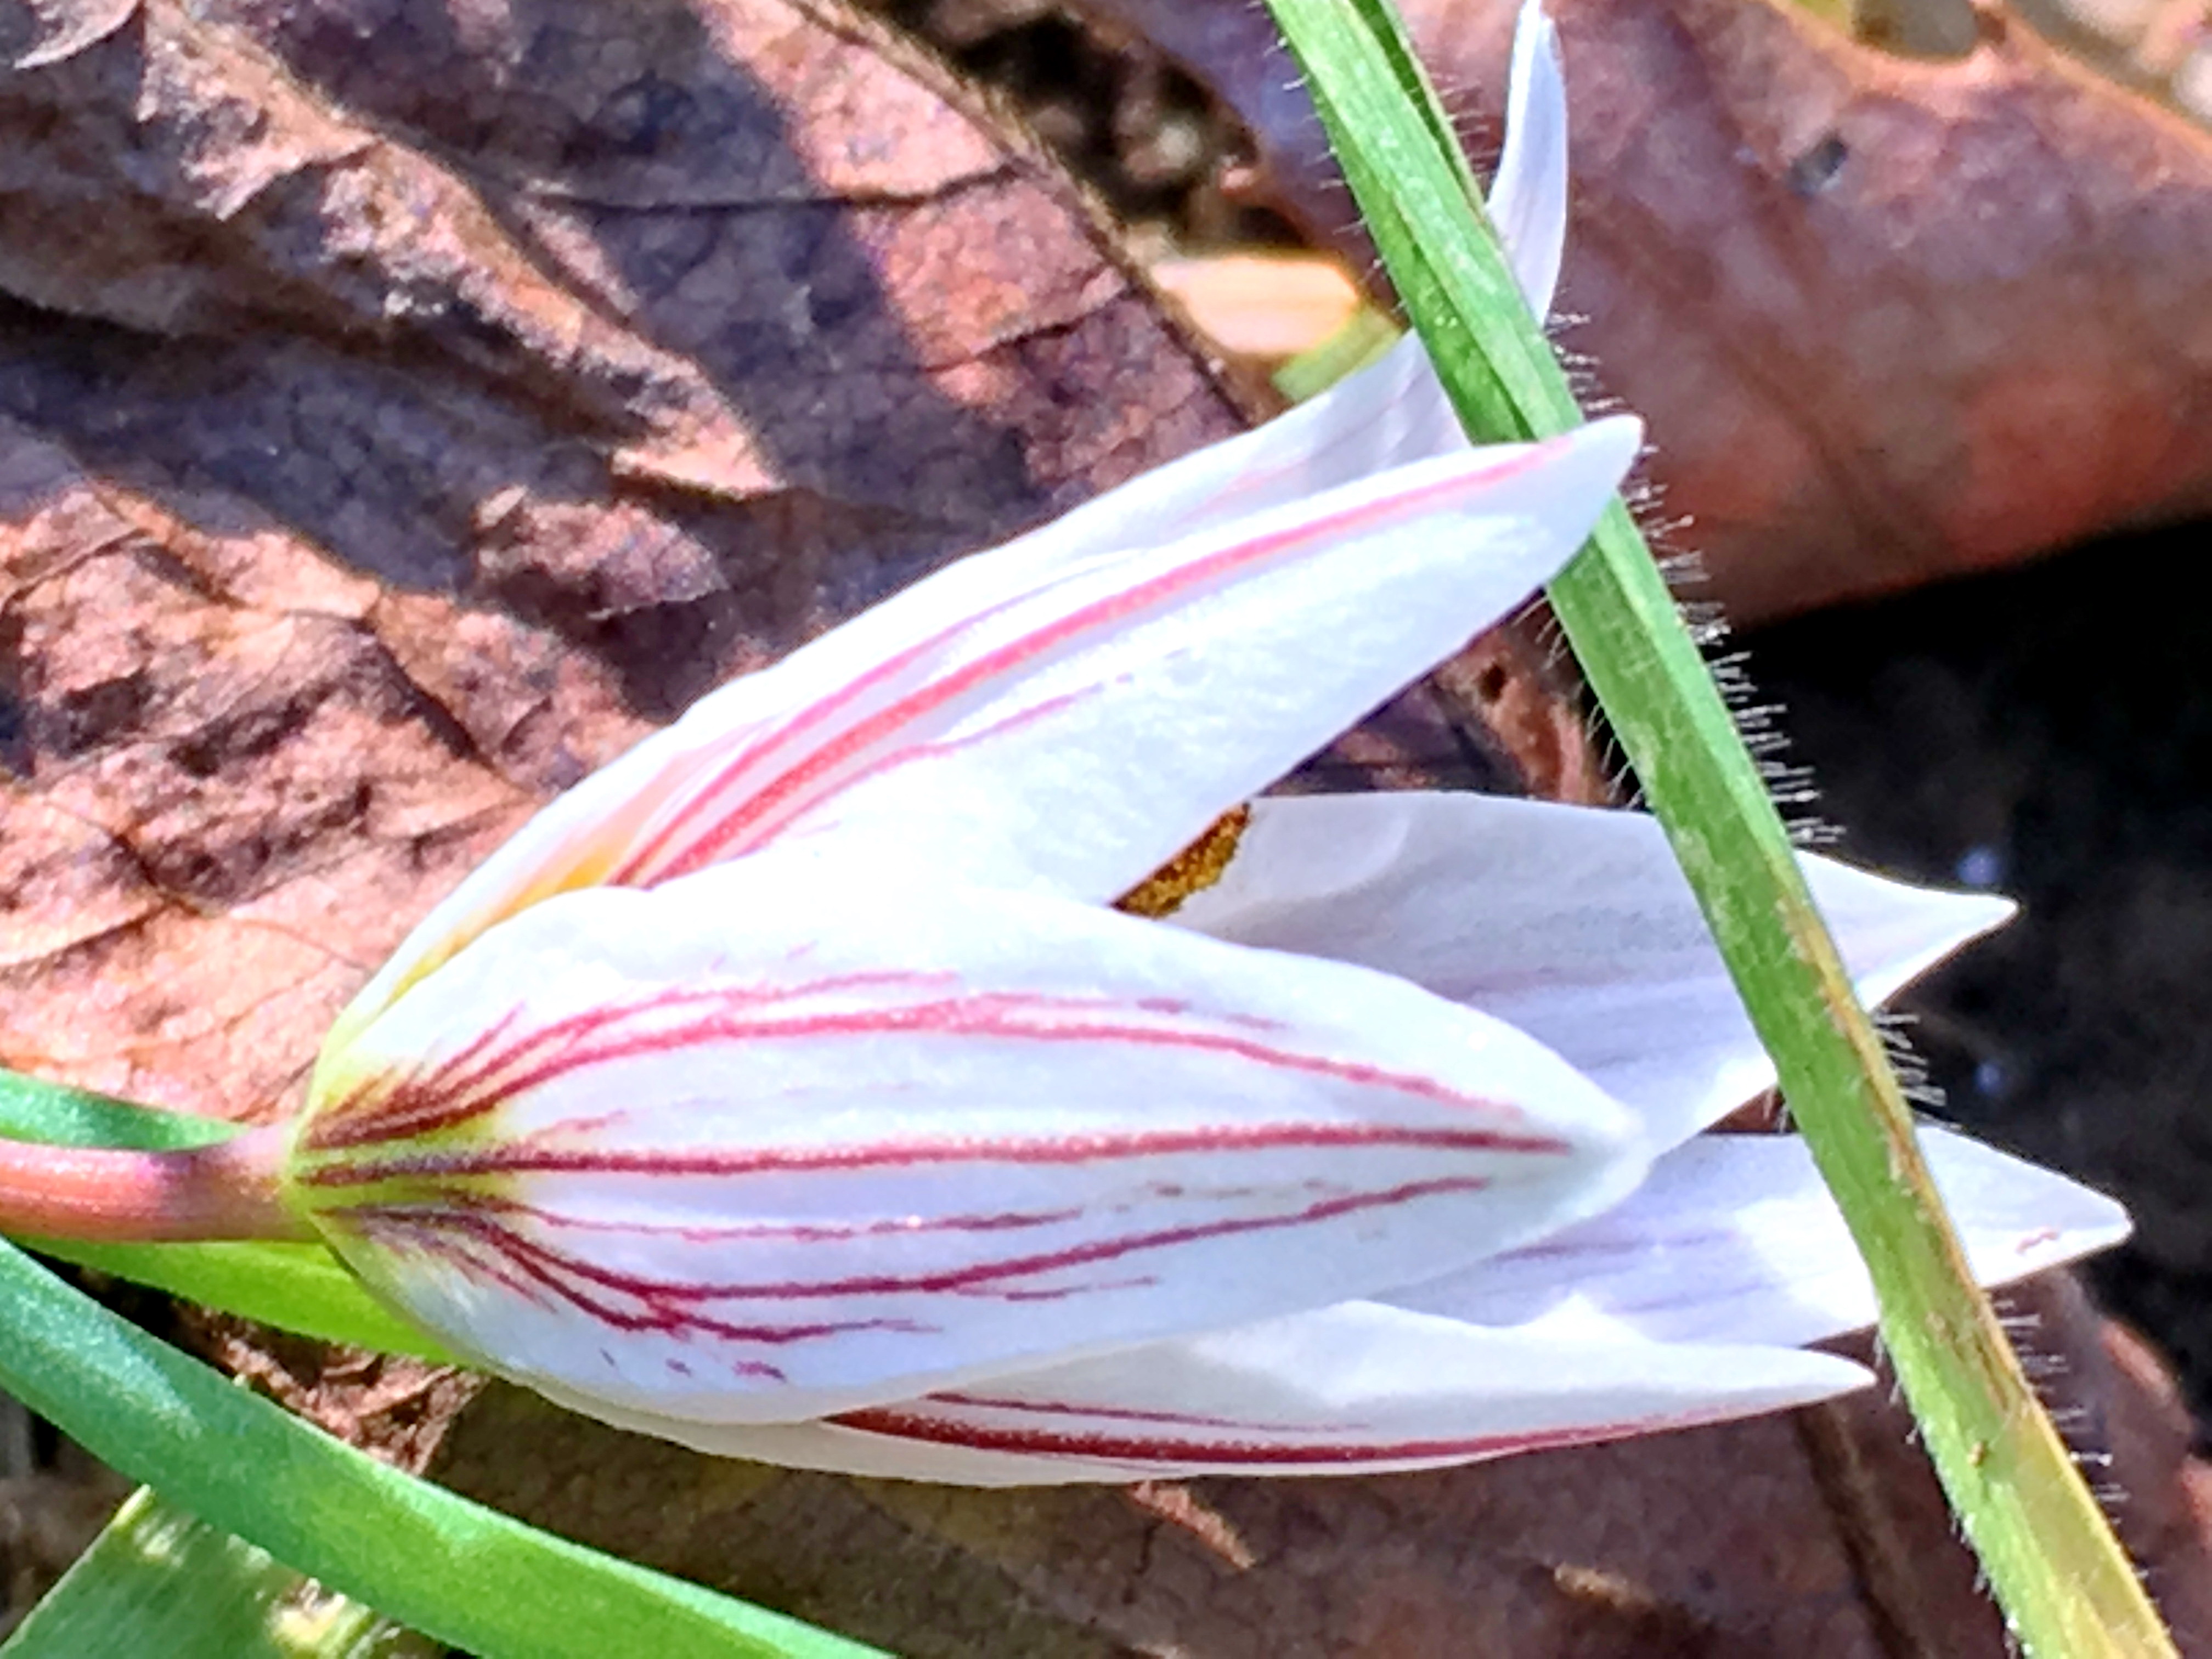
point(1889, 319)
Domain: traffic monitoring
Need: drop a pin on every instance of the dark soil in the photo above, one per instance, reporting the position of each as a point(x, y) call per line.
point(1162, 153)
point(2048, 732)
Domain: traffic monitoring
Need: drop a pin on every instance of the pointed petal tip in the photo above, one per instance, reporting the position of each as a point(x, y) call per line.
point(1619, 438)
point(1971, 913)
point(1892, 931)
point(1533, 33)
point(1527, 200)
point(1736, 1240)
point(2018, 1218)
point(2105, 1223)
point(1976, 916)
point(1589, 463)
point(1996, 909)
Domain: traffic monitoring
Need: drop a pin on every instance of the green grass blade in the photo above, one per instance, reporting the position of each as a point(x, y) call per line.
point(452, 1569)
point(2062, 1579)
point(301, 1288)
point(32, 1108)
point(294, 1287)
point(159, 1584)
point(1359, 342)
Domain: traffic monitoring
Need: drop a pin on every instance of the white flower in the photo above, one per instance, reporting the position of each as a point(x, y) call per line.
point(790, 1088)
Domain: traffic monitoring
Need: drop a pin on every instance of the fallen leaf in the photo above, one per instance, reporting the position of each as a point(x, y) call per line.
point(1889, 319)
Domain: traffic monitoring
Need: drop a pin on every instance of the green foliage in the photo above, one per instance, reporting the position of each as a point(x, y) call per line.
point(157, 1582)
point(452, 1569)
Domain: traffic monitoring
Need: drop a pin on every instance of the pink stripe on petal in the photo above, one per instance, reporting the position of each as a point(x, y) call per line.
point(653, 1303)
point(1350, 1389)
point(1355, 1385)
point(810, 1232)
point(962, 1399)
point(381, 1108)
point(697, 836)
point(1254, 1450)
point(1073, 1151)
point(421, 1221)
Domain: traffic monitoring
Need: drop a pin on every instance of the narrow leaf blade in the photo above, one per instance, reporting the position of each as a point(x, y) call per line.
point(453, 1569)
point(158, 1582)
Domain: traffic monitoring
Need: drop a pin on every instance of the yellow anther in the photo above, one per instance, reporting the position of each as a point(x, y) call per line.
point(1193, 870)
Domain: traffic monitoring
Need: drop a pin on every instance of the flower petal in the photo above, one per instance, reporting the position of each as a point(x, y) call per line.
point(1734, 1238)
point(1069, 735)
point(778, 1139)
point(1574, 924)
point(1528, 198)
point(1355, 1389)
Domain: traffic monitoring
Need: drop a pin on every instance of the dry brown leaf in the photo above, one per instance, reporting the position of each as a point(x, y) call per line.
point(1890, 320)
point(400, 409)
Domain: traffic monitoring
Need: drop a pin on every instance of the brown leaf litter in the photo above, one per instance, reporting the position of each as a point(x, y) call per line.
point(1890, 319)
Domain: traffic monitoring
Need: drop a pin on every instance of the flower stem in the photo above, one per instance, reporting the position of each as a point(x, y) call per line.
point(2062, 1578)
point(228, 1190)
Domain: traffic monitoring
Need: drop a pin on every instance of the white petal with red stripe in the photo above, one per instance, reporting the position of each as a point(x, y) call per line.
point(1734, 1238)
point(1572, 923)
point(1355, 1389)
point(777, 1140)
point(1074, 734)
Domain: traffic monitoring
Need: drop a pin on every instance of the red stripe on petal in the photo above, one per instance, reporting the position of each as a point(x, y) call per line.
point(770, 804)
point(476, 1077)
point(422, 1218)
point(524, 1158)
point(1114, 1414)
point(638, 869)
point(627, 1302)
point(1253, 1449)
point(385, 1108)
point(768, 1232)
